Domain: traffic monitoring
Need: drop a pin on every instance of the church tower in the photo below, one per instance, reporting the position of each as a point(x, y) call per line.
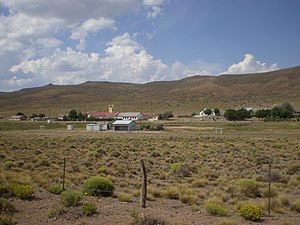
point(110, 108)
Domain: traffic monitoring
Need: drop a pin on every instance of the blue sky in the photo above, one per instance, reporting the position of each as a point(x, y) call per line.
point(138, 41)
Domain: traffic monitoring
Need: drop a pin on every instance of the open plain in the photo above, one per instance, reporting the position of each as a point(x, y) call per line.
point(186, 169)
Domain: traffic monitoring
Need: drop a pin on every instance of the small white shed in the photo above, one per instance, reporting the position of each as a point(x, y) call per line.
point(70, 127)
point(97, 127)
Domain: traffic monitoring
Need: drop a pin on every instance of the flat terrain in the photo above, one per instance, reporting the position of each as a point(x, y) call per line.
point(211, 167)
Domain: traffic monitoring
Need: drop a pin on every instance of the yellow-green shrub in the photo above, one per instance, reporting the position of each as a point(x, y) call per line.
point(215, 209)
point(250, 212)
point(23, 191)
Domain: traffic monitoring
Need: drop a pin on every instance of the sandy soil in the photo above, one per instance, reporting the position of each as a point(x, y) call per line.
point(112, 211)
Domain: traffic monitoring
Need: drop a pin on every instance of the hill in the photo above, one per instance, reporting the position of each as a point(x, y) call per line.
point(181, 96)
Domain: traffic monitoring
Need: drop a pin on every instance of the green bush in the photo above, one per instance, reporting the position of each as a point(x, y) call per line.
point(215, 209)
point(6, 206)
point(6, 220)
point(70, 198)
point(55, 189)
point(250, 212)
point(9, 164)
point(98, 186)
point(89, 209)
point(4, 190)
point(249, 187)
point(23, 191)
point(179, 169)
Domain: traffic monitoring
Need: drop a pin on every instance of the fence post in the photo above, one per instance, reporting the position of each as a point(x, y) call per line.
point(64, 173)
point(269, 196)
point(144, 184)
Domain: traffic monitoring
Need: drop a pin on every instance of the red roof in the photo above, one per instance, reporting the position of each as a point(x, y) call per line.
point(101, 114)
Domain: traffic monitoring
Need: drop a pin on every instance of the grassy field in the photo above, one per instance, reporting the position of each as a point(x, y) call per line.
point(187, 169)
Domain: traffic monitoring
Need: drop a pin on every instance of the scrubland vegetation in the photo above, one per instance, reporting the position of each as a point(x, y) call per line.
point(223, 178)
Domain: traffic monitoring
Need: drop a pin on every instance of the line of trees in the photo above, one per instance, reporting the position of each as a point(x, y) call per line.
point(240, 114)
point(284, 111)
point(73, 115)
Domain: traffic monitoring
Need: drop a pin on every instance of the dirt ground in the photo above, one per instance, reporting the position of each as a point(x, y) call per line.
point(112, 211)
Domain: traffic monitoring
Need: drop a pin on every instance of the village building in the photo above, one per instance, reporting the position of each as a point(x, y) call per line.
point(102, 115)
point(17, 118)
point(61, 116)
point(131, 116)
point(202, 114)
point(38, 118)
point(124, 125)
point(154, 117)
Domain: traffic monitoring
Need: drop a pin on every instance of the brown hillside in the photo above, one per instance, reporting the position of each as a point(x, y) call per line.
point(182, 96)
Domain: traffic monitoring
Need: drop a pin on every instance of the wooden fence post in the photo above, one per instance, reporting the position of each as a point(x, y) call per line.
point(144, 184)
point(64, 173)
point(269, 195)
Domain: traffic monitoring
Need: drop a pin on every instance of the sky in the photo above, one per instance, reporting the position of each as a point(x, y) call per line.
point(139, 41)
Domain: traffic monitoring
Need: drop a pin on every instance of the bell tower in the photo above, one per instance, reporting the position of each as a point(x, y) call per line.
point(110, 108)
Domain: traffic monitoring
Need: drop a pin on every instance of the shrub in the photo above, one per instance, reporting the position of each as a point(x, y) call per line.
point(102, 169)
point(179, 169)
point(6, 206)
point(89, 209)
point(200, 182)
point(295, 206)
point(250, 212)
point(9, 164)
point(249, 188)
point(70, 198)
point(293, 168)
point(55, 189)
point(215, 209)
point(44, 162)
point(5, 191)
point(188, 198)
point(6, 220)
point(124, 197)
point(98, 186)
point(143, 219)
point(171, 192)
point(23, 191)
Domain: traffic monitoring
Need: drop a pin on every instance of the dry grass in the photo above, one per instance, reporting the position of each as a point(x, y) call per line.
point(215, 165)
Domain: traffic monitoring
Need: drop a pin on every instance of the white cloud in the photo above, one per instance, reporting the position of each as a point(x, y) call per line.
point(71, 11)
point(90, 26)
point(250, 65)
point(125, 60)
point(155, 6)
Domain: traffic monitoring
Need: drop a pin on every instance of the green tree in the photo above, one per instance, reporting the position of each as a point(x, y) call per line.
point(207, 111)
point(166, 115)
point(33, 115)
point(217, 111)
point(80, 116)
point(287, 110)
point(276, 112)
point(240, 114)
point(263, 113)
point(230, 114)
point(72, 115)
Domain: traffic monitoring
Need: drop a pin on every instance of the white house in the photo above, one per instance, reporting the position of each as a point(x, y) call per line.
point(131, 116)
point(202, 114)
point(124, 125)
point(17, 118)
